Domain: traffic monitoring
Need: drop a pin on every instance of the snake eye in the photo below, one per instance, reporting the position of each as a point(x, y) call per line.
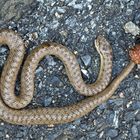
point(135, 54)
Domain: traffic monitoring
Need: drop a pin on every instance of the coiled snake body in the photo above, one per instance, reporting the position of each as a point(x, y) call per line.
point(11, 106)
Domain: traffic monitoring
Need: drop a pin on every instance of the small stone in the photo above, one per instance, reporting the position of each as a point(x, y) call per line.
point(83, 38)
point(131, 28)
point(138, 116)
point(7, 136)
point(134, 131)
point(40, 84)
point(112, 133)
point(58, 15)
point(50, 61)
point(38, 70)
point(86, 30)
point(130, 115)
point(76, 6)
point(50, 126)
point(129, 11)
point(89, 1)
point(136, 76)
point(82, 138)
point(128, 104)
point(102, 106)
point(56, 82)
point(89, 7)
point(63, 33)
point(92, 134)
point(137, 18)
point(1, 134)
point(72, 21)
point(20, 134)
point(136, 105)
point(33, 36)
point(118, 101)
point(54, 24)
point(77, 121)
point(93, 24)
point(61, 9)
point(101, 134)
point(86, 60)
point(116, 119)
point(75, 52)
point(85, 73)
point(42, 1)
point(121, 95)
point(47, 101)
point(110, 117)
point(2, 50)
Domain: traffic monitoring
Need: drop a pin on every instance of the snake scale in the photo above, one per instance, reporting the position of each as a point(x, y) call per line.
point(12, 107)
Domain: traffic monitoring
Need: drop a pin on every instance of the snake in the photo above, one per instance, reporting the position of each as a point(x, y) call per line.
point(12, 107)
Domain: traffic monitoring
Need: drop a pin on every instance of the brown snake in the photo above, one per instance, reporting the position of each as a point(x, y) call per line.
point(10, 105)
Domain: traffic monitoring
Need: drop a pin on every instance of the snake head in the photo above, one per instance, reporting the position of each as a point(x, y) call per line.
point(102, 45)
point(135, 54)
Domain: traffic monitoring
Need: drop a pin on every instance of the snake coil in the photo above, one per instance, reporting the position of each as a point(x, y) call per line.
point(12, 107)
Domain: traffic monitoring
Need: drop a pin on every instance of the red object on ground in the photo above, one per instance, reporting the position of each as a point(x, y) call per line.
point(135, 54)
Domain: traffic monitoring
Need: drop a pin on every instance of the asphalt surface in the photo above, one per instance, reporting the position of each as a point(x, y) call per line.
point(76, 24)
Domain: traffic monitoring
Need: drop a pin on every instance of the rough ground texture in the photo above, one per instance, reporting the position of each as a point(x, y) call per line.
point(76, 24)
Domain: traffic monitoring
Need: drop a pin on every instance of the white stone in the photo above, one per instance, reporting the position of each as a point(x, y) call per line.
point(42, 1)
point(131, 28)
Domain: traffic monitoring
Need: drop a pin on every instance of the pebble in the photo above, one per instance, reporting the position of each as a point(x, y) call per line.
point(50, 60)
point(129, 11)
point(2, 50)
point(118, 101)
point(131, 28)
point(61, 9)
point(33, 36)
point(136, 105)
point(40, 84)
point(138, 116)
point(129, 115)
point(135, 131)
point(76, 6)
point(39, 69)
point(42, 1)
point(92, 134)
point(112, 133)
point(1, 134)
point(116, 119)
point(55, 81)
point(137, 18)
point(82, 138)
point(47, 101)
point(86, 60)
point(7, 136)
point(85, 73)
point(110, 117)
point(20, 134)
point(93, 24)
point(54, 24)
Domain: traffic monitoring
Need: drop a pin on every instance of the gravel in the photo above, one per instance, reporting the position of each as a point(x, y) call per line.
point(76, 24)
point(112, 133)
